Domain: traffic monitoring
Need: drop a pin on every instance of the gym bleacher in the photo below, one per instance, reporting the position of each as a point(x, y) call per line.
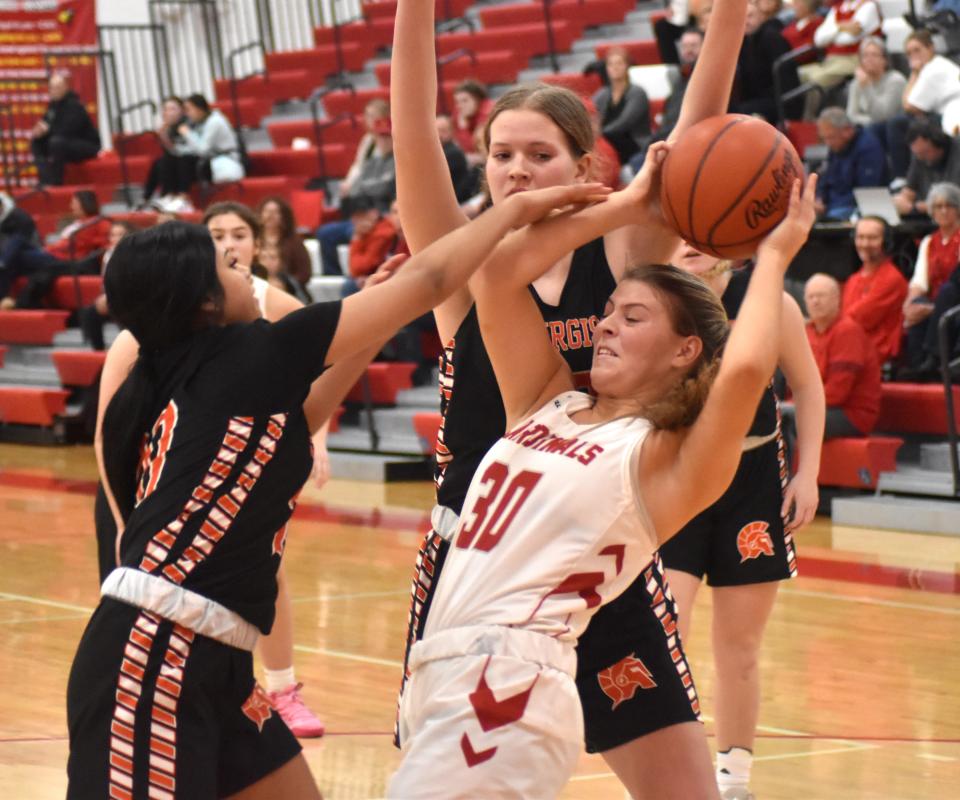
point(301, 131)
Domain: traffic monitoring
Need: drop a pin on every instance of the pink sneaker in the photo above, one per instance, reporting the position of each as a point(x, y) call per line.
point(301, 721)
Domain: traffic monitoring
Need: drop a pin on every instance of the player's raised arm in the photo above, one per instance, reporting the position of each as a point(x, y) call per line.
point(649, 240)
point(425, 194)
point(685, 471)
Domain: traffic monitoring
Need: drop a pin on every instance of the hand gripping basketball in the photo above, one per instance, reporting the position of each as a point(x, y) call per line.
point(788, 237)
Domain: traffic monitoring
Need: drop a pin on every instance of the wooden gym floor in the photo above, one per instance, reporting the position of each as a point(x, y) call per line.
point(861, 661)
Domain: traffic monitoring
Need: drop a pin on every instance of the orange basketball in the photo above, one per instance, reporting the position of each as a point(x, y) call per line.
point(726, 184)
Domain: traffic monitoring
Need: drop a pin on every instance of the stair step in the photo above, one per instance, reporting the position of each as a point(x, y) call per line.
point(936, 456)
point(420, 398)
point(898, 513)
point(378, 468)
point(916, 480)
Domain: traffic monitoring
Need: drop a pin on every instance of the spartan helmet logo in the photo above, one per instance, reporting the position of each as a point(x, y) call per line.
point(754, 541)
point(621, 681)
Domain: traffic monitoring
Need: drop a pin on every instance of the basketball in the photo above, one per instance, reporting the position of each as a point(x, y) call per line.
point(726, 184)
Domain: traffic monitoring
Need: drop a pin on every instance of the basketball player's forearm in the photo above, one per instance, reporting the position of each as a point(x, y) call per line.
point(810, 404)
point(426, 198)
point(708, 93)
point(329, 390)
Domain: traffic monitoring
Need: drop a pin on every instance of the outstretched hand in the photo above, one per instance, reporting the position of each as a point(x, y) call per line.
point(532, 206)
point(789, 236)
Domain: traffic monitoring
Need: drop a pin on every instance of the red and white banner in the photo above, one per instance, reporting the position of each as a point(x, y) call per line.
point(37, 37)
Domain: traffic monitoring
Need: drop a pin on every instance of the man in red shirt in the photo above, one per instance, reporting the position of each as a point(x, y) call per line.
point(846, 358)
point(873, 296)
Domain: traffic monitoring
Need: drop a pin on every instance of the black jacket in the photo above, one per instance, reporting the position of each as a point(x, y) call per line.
point(753, 87)
point(68, 118)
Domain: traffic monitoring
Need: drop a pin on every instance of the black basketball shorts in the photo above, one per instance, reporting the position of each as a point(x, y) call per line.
point(740, 540)
point(632, 675)
point(155, 710)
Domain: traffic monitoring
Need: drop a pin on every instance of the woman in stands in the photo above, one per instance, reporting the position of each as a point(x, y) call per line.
point(235, 230)
point(571, 505)
point(280, 231)
point(541, 136)
point(743, 543)
point(173, 174)
point(210, 137)
point(205, 448)
point(623, 109)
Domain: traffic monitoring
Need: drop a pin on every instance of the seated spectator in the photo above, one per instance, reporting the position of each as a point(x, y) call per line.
point(934, 158)
point(753, 90)
point(873, 296)
point(374, 237)
point(210, 136)
point(65, 133)
point(622, 108)
point(173, 174)
point(373, 112)
point(76, 250)
point(93, 317)
point(856, 159)
point(847, 361)
point(840, 34)
point(15, 222)
point(799, 33)
point(280, 231)
point(465, 178)
point(934, 286)
point(876, 91)
point(683, 15)
point(274, 271)
point(473, 106)
point(375, 184)
point(934, 82)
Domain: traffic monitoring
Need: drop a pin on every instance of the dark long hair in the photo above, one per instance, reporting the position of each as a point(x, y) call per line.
point(161, 285)
point(288, 225)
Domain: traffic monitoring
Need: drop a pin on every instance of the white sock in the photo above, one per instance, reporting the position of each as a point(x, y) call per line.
point(279, 679)
point(733, 768)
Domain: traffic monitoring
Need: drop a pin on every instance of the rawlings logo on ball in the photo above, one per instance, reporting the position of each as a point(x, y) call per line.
point(783, 179)
point(754, 541)
point(621, 681)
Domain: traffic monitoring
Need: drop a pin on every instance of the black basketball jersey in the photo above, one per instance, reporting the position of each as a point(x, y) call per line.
point(470, 402)
point(229, 451)
point(767, 417)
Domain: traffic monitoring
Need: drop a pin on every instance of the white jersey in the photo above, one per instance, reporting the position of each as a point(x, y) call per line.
point(260, 287)
point(552, 527)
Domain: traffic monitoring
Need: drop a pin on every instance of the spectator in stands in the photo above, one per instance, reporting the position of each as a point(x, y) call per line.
point(935, 286)
point(753, 91)
point(845, 26)
point(683, 15)
point(934, 81)
point(64, 134)
point(846, 358)
point(374, 236)
point(376, 182)
point(209, 135)
point(465, 178)
point(934, 158)
point(377, 109)
point(92, 318)
point(280, 231)
point(77, 249)
point(856, 159)
point(172, 173)
point(876, 91)
point(274, 271)
point(800, 31)
point(873, 296)
point(15, 222)
point(473, 106)
point(623, 109)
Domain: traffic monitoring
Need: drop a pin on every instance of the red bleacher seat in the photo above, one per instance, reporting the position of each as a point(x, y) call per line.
point(307, 209)
point(426, 424)
point(494, 66)
point(915, 408)
point(250, 110)
point(320, 61)
point(641, 52)
point(856, 463)
point(524, 40)
point(31, 327)
point(251, 191)
point(138, 144)
point(303, 163)
point(56, 199)
point(346, 131)
point(78, 367)
point(583, 85)
point(334, 425)
point(64, 291)
point(30, 405)
point(386, 379)
point(107, 171)
point(354, 102)
point(3, 353)
point(369, 34)
point(579, 14)
point(444, 9)
point(275, 86)
point(47, 223)
point(802, 135)
point(139, 219)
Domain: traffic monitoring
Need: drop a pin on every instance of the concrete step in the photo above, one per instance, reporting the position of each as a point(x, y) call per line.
point(420, 398)
point(31, 356)
point(378, 468)
point(898, 513)
point(917, 481)
point(25, 375)
point(353, 437)
point(936, 456)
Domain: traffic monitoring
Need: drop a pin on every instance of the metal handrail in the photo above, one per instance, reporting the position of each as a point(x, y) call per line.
point(778, 96)
point(336, 84)
point(450, 25)
point(443, 61)
point(235, 81)
point(71, 244)
point(943, 341)
point(551, 43)
point(124, 172)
